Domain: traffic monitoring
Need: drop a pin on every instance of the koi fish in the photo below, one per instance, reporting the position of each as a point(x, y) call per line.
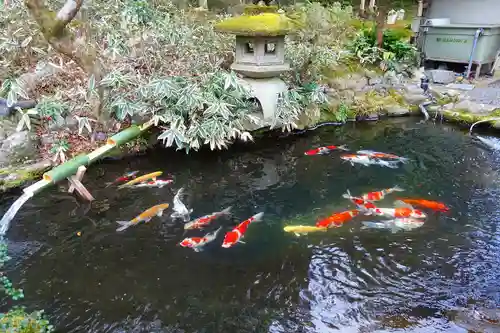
point(303, 229)
point(234, 236)
point(145, 216)
point(379, 195)
point(395, 224)
point(180, 209)
point(197, 243)
point(325, 150)
point(202, 222)
point(126, 177)
point(362, 204)
point(434, 205)
point(367, 160)
point(337, 219)
point(402, 210)
point(140, 179)
point(377, 154)
point(155, 183)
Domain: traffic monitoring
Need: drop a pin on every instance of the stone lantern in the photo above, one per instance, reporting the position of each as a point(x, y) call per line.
point(260, 52)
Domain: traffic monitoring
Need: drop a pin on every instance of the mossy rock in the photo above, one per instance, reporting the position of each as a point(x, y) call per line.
point(257, 9)
point(16, 177)
point(265, 24)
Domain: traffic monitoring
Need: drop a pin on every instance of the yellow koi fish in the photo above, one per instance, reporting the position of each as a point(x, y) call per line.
point(145, 216)
point(302, 229)
point(140, 179)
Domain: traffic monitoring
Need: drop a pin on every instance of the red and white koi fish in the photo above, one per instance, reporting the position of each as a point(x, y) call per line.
point(379, 195)
point(377, 154)
point(197, 243)
point(367, 160)
point(125, 178)
point(202, 222)
point(337, 219)
point(402, 210)
point(434, 205)
point(234, 236)
point(395, 224)
point(362, 204)
point(145, 216)
point(325, 150)
point(155, 183)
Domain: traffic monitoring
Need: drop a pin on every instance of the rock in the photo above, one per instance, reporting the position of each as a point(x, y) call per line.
point(390, 77)
point(375, 81)
point(397, 111)
point(16, 147)
point(412, 88)
point(414, 99)
point(354, 82)
point(474, 107)
point(6, 111)
point(442, 76)
point(71, 122)
point(452, 93)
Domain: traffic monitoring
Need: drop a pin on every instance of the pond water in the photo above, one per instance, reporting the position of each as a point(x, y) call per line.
point(347, 279)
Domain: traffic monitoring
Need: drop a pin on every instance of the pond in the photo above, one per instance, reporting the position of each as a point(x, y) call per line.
point(348, 278)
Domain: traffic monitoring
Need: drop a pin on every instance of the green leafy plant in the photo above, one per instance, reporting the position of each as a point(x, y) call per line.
point(58, 150)
point(84, 123)
point(17, 320)
point(53, 109)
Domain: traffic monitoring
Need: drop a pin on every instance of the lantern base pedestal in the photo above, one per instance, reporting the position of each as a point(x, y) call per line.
point(266, 92)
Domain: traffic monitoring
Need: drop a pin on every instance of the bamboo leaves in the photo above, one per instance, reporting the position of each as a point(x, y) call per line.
point(25, 120)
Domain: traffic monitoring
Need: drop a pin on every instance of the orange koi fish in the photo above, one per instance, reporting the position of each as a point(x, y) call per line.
point(379, 195)
point(325, 150)
point(377, 154)
point(434, 205)
point(145, 216)
point(234, 236)
point(337, 219)
point(402, 210)
point(197, 243)
point(202, 222)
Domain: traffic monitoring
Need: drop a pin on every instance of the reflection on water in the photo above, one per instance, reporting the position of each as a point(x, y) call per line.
point(347, 279)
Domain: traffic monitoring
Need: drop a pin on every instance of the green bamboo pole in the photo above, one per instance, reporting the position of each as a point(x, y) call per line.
point(70, 167)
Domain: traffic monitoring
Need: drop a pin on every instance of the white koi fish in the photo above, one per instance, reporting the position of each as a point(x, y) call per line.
point(395, 224)
point(367, 160)
point(155, 183)
point(180, 209)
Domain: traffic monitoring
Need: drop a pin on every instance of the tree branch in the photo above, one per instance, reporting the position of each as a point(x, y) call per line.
point(53, 27)
point(69, 11)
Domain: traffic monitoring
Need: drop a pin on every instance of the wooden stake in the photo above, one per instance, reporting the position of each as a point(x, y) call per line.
point(76, 184)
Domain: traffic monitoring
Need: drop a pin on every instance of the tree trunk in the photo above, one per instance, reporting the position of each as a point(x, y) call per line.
point(53, 27)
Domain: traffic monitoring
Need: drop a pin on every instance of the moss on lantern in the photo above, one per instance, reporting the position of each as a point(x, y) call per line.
point(264, 24)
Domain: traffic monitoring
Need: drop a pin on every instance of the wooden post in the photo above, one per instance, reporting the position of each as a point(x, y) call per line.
point(420, 9)
point(76, 184)
point(362, 7)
